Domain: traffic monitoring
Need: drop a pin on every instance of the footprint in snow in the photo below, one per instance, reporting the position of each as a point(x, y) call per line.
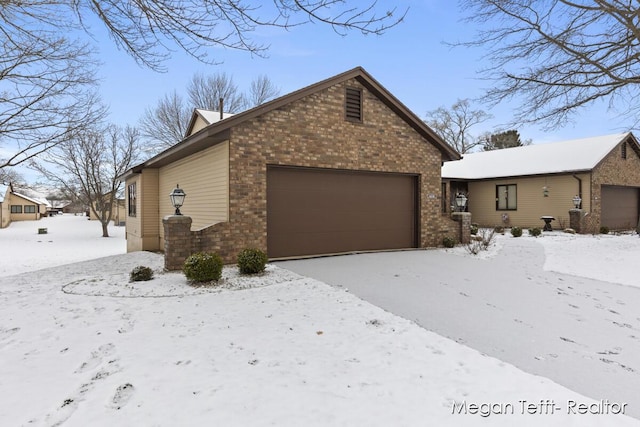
point(96, 357)
point(62, 413)
point(7, 333)
point(122, 395)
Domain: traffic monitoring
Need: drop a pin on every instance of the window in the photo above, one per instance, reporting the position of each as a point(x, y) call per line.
point(353, 104)
point(443, 197)
point(16, 208)
point(623, 150)
point(506, 197)
point(132, 199)
point(29, 209)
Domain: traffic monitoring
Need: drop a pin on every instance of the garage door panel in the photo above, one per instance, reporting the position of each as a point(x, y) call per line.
point(620, 207)
point(319, 211)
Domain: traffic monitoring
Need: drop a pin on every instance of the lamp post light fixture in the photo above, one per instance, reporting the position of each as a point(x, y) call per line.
point(576, 201)
point(461, 201)
point(177, 198)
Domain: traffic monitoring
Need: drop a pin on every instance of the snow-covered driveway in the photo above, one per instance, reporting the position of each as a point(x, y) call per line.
point(580, 332)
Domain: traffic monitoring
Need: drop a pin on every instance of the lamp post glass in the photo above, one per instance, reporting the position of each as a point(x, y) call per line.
point(177, 198)
point(461, 201)
point(576, 202)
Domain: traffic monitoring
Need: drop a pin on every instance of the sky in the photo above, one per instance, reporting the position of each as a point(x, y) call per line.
point(411, 60)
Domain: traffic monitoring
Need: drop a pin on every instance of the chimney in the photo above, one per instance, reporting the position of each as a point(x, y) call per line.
point(221, 103)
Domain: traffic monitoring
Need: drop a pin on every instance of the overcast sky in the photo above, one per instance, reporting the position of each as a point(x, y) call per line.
point(411, 60)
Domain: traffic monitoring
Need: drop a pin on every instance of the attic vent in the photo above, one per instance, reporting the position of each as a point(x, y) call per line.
point(353, 104)
point(624, 150)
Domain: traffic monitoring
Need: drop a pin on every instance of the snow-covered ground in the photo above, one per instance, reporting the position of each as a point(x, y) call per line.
point(69, 239)
point(80, 345)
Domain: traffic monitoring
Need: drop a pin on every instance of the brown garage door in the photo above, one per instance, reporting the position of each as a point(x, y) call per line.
point(320, 211)
point(620, 207)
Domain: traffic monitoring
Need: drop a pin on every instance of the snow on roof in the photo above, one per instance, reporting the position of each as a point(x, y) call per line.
point(212, 116)
point(3, 191)
point(31, 199)
point(564, 156)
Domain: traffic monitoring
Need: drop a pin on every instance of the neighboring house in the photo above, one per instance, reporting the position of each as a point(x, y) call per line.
point(118, 212)
point(522, 184)
point(25, 208)
point(5, 212)
point(338, 166)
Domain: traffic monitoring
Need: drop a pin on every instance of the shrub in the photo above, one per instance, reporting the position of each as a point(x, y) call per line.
point(448, 242)
point(499, 229)
point(604, 230)
point(252, 261)
point(203, 267)
point(474, 229)
point(516, 231)
point(140, 274)
point(481, 242)
point(535, 232)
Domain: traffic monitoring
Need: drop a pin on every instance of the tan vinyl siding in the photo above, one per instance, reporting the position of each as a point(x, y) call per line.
point(4, 213)
point(204, 177)
point(198, 125)
point(17, 200)
point(531, 202)
point(143, 229)
point(148, 207)
point(134, 223)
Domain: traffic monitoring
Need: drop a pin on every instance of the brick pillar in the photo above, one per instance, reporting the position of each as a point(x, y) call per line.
point(576, 220)
point(177, 241)
point(464, 226)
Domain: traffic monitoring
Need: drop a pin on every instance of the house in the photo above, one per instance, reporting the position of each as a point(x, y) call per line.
point(5, 213)
point(338, 166)
point(25, 208)
point(117, 212)
point(517, 186)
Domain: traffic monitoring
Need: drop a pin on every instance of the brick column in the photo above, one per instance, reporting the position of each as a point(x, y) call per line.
point(576, 220)
point(464, 226)
point(177, 241)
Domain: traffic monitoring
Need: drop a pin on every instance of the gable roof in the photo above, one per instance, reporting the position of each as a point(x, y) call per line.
point(219, 131)
point(30, 199)
point(208, 116)
point(558, 157)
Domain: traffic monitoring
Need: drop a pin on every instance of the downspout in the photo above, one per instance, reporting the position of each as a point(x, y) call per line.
point(579, 189)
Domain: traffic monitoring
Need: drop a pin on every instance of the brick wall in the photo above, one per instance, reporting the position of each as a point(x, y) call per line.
point(313, 132)
point(613, 170)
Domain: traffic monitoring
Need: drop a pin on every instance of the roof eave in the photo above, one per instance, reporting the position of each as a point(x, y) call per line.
point(219, 131)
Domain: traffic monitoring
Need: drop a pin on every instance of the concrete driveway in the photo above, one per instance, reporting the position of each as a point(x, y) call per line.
point(581, 333)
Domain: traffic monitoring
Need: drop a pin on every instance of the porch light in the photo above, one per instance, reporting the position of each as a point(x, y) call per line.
point(461, 201)
point(177, 198)
point(576, 201)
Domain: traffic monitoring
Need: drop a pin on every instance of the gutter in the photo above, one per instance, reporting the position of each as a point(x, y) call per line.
point(579, 188)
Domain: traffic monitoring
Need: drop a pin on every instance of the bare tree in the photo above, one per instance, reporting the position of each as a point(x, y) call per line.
point(9, 175)
point(557, 56)
point(47, 82)
point(149, 30)
point(89, 163)
point(205, 92)
point(45, 77)
point(262, 90)
point(166, 123)
point(454, 124)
